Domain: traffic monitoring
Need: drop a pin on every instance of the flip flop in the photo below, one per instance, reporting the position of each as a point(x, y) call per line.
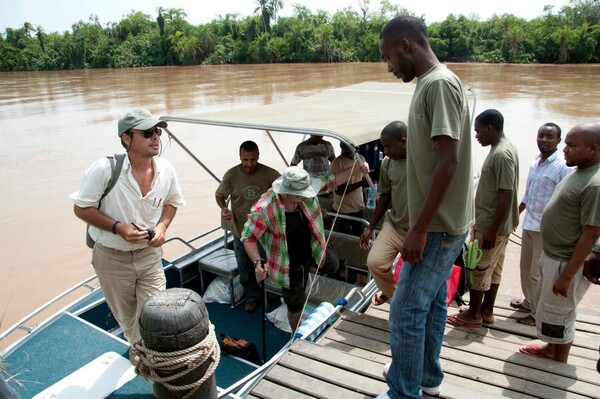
point(453, 320)
point(379, 298)
point(533, 350)
point(517, 303)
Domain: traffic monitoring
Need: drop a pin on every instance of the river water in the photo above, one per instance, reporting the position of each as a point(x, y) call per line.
point(55, 124)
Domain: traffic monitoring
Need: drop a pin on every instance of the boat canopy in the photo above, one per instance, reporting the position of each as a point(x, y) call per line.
point(354, 114)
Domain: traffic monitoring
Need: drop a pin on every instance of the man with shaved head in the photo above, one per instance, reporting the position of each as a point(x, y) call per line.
point(570, 227)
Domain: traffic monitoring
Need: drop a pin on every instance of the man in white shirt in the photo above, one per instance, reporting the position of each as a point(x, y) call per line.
point(546, 171)
point(129, 224)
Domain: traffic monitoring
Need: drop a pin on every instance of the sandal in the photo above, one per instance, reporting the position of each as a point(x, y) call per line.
point(379, 298)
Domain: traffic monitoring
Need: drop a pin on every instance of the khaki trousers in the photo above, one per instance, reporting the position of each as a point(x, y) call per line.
point(531, 250)
point(128, 279)
point(489, 268)
point(387, 245)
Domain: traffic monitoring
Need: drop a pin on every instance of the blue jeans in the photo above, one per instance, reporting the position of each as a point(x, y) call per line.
point(252, 290)
point(418, 318)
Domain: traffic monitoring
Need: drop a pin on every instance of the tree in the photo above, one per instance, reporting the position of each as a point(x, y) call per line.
point(41, 35)
point(268, 11)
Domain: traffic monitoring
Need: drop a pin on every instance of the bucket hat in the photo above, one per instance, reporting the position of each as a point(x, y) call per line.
point(297, 181)
point(140, 119)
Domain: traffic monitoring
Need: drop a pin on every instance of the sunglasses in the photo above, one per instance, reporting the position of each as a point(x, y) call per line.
point(149, 132)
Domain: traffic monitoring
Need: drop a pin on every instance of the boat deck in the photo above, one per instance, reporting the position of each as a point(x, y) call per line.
point(478, 362)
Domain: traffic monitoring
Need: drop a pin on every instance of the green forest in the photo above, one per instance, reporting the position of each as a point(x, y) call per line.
point(568, 35)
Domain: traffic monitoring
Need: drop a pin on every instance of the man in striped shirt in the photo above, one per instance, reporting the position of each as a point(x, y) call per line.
point(546, 171)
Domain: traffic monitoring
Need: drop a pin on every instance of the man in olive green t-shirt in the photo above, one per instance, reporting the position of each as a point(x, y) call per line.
point(570, 227)
point(244, 184)
point(393, 190)
point(496, 216)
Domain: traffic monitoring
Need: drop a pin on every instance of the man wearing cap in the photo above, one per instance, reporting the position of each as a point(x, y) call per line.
point(129, 224)
point(287, 221)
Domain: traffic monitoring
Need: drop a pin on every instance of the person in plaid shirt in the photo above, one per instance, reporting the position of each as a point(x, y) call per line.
point(287, 221)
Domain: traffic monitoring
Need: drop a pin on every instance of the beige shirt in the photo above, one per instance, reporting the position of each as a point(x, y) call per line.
point(439, 107)
point(500, 171)
point(353, 201)
point(125, 202)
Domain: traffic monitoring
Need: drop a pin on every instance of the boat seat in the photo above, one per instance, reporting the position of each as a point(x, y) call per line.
point(221, 262)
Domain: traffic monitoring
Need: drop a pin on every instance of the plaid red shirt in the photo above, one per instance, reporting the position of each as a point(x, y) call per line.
point(266, 223)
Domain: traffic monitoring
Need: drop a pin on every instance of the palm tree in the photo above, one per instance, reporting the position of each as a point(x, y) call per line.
point(268, 11)
point(41, 35)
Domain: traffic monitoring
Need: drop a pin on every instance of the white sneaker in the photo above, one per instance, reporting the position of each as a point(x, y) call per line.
point(386, 369)
point(433, 391)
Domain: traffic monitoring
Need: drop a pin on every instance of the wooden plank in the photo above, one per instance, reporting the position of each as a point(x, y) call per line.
point(509, 383)
point(266, 389)
point(545, 378)
point(381, 348)
point(455, 387)
point(333, 375)
point(366, 320)
point(339, 359)
point(365, 331)
point(315, 387)
point(356, 351)
point(491, 346)
point(502, 336)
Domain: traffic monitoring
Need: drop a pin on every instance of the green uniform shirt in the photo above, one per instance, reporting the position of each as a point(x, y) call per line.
point(574, 203)
point(439, 107)
point(500, 171)
point(392, 179)
point(244, 190)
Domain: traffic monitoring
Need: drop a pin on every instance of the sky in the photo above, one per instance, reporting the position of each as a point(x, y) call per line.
point(59, 15)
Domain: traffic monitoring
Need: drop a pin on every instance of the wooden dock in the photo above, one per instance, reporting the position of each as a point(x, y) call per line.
point(479, 363)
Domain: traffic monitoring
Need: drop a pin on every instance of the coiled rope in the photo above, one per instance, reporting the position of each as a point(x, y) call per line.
point(186, 360)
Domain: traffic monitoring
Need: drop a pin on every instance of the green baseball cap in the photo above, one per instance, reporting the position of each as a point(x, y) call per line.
point(140, 119)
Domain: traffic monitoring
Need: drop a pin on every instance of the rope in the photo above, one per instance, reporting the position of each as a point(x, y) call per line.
point(186, 360)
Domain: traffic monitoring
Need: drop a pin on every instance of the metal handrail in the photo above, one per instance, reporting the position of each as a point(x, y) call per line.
point(20, 325)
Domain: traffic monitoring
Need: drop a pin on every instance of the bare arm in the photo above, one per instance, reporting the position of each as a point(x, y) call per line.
point(443, 174)
point(343, 176)
point(381, 208)
point(589, 235)
point(93, 216)
point(351, 187)
point(502, 207)
point(225, 213)
point(252, 250)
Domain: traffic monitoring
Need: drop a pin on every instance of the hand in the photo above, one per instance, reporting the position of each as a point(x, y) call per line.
point(160, 235)
point(261, 272)
point(414, 243)
point(365, 239)
point(132, 233)
point(226, 214)
point(489, 240)
point(591, 268)
point(364, 169)
point(561, 286)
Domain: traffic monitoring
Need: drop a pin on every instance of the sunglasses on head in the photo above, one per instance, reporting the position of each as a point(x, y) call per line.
point(149, 132)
